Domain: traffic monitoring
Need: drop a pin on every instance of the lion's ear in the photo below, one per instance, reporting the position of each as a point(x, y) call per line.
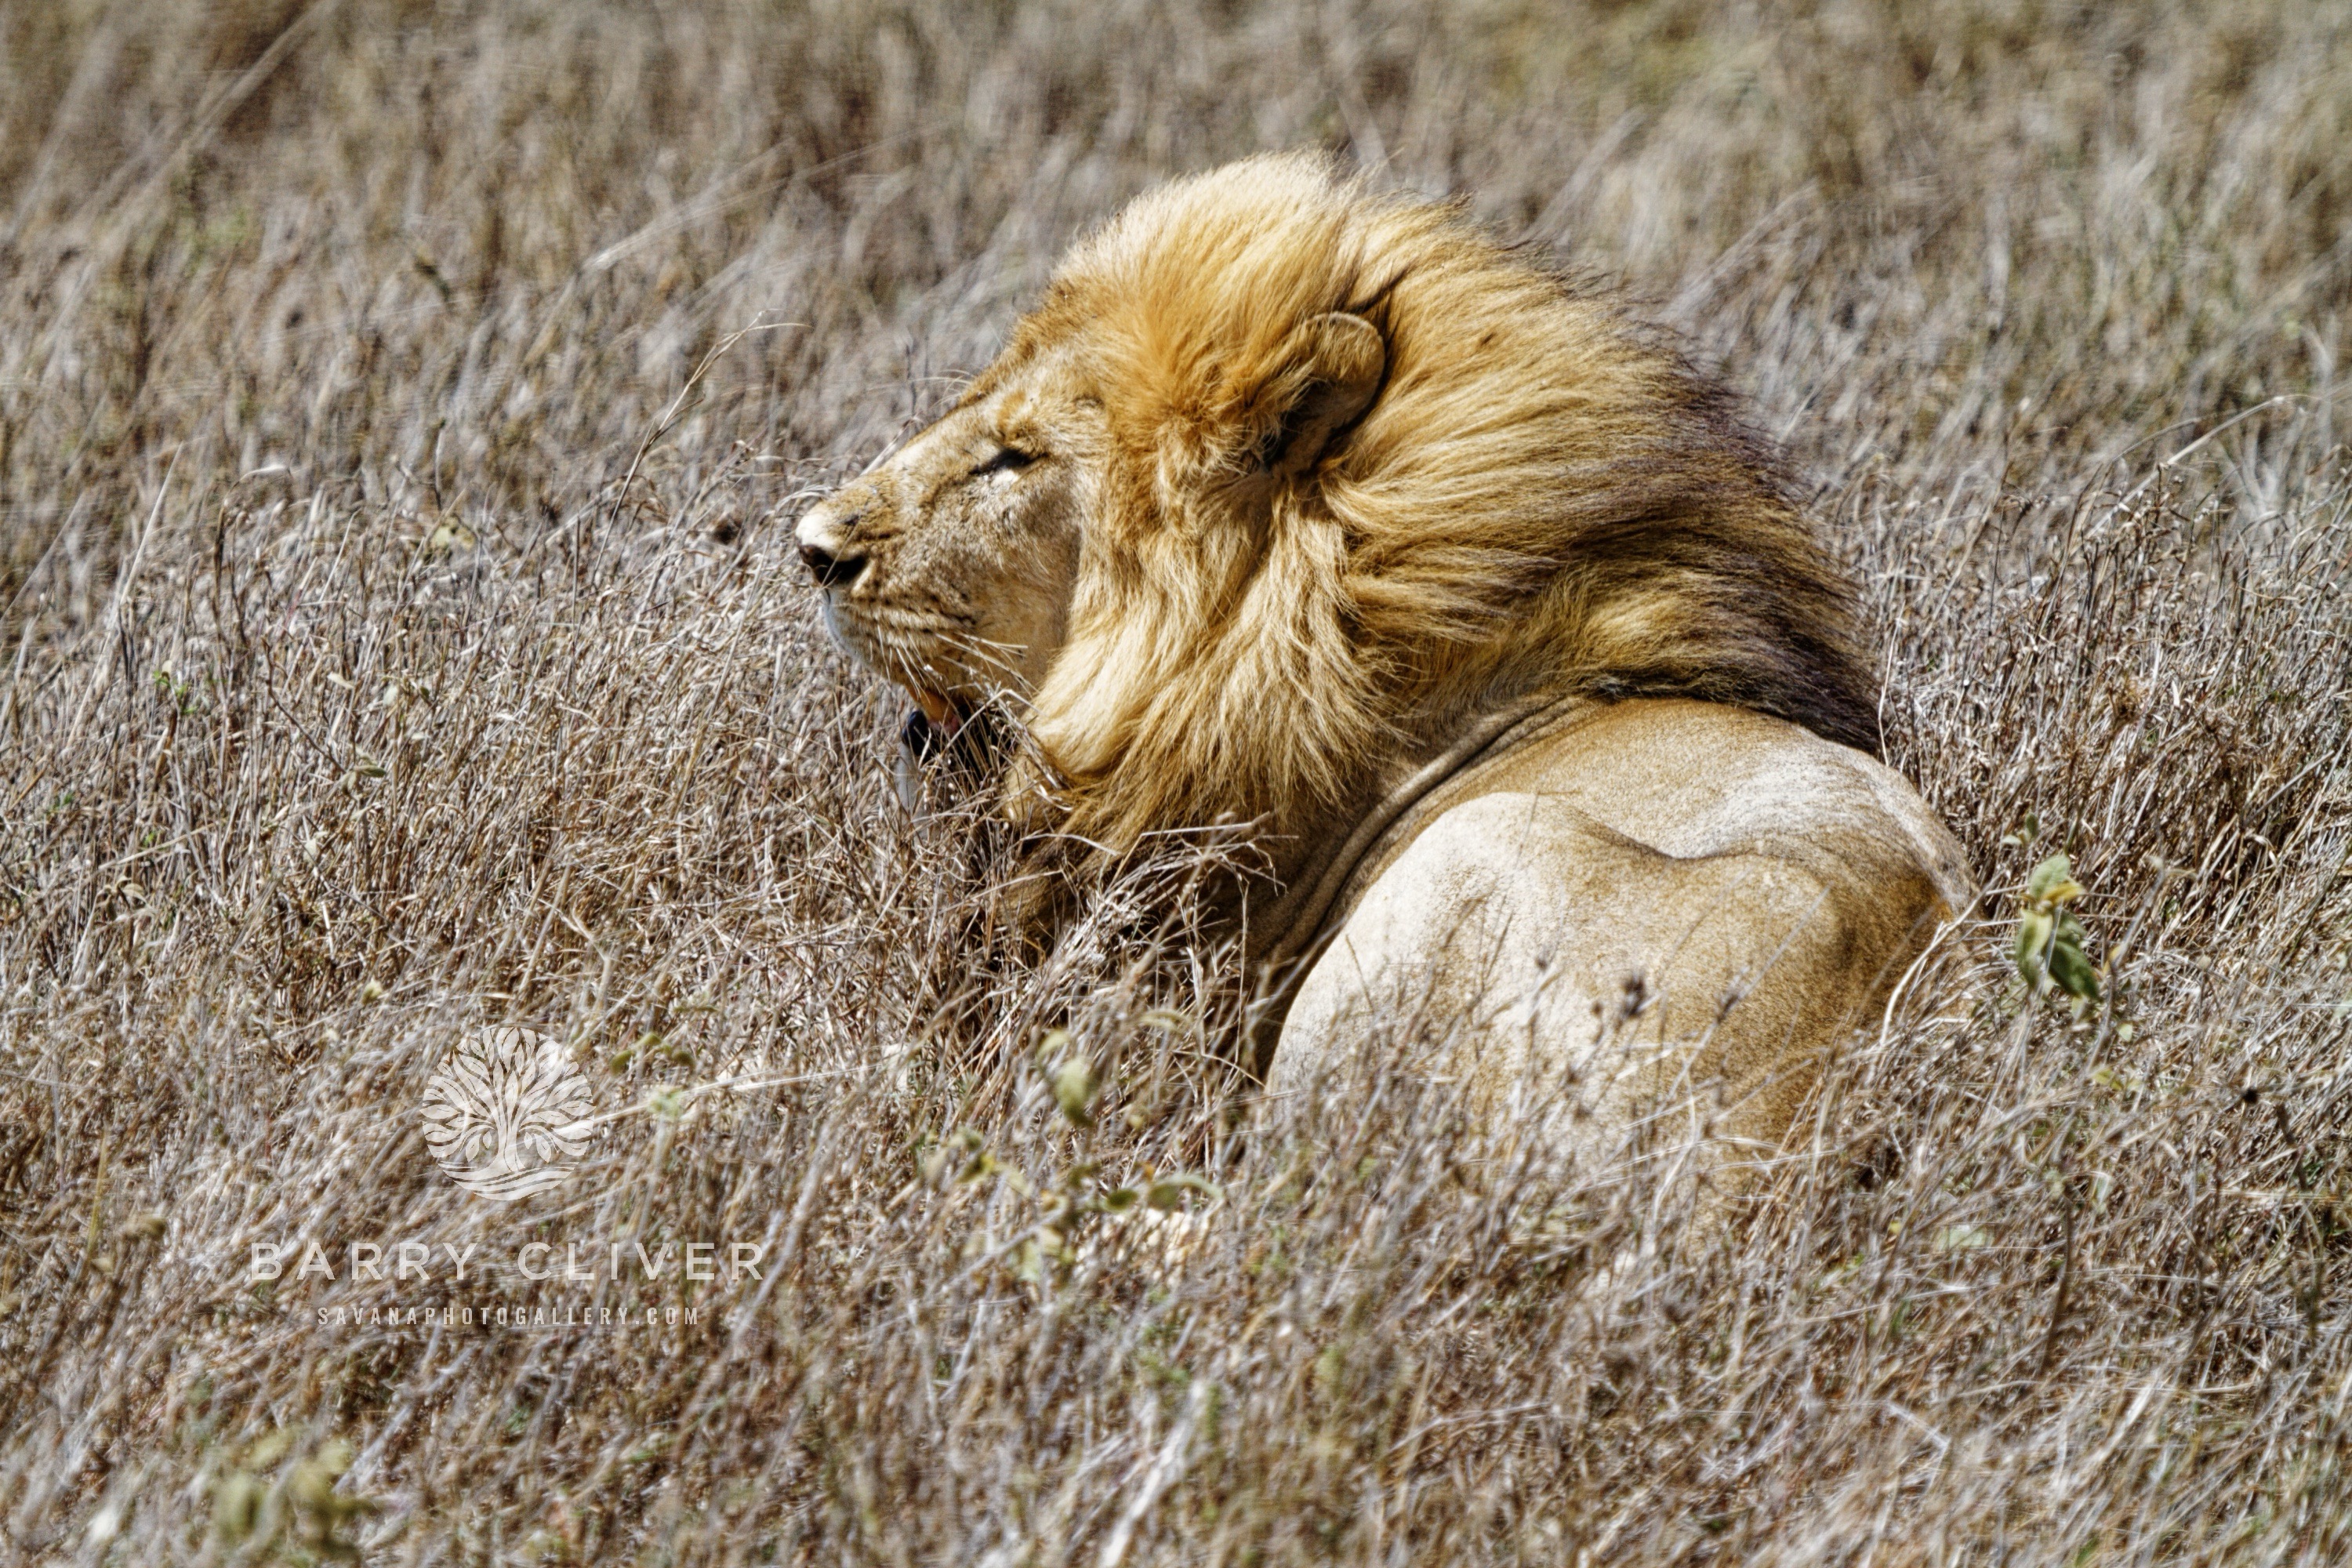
point(1344, 360)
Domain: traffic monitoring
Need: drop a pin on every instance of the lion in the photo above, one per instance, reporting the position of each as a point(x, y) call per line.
point(1309, 508)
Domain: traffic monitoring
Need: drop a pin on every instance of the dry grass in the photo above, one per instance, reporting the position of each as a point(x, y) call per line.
point(399, 637)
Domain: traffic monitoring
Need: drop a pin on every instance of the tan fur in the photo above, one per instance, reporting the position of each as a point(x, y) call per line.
point(1324, 487)
point(1639, 905)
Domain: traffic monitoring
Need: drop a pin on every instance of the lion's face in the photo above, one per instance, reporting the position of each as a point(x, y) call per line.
point(949, 565)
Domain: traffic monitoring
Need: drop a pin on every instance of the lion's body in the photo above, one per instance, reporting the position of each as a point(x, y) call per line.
point(1286, 506)
point(1622, 900)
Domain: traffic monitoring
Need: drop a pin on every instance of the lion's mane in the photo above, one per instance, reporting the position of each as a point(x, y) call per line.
point(1545, 496)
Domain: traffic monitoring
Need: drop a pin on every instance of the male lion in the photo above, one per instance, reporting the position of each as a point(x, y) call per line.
point(1310, 508)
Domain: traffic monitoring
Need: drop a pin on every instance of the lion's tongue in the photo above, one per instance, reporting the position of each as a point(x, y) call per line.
point(944, 715)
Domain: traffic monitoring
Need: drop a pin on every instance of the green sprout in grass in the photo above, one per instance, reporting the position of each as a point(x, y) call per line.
point(2050, 939)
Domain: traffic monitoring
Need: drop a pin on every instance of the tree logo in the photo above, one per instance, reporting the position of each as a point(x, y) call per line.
point(507, 1115)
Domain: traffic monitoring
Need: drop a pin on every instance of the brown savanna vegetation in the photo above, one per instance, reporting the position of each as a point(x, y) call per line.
point(402, 408)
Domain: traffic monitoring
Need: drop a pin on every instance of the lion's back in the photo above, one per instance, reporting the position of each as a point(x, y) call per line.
point(1666, 891)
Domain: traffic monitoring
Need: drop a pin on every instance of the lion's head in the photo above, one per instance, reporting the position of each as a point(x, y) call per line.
point(1287, 478)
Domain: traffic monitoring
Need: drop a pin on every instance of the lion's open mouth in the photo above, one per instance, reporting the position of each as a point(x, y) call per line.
point(935, 721)
point(946, 713)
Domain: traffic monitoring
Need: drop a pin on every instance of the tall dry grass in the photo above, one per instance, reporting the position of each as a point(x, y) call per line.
point(397, 404)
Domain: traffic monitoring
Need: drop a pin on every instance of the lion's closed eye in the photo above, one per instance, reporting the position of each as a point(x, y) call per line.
point(1005, 460)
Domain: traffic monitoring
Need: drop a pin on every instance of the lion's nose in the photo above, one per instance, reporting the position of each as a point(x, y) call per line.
point(827, 548)
point(831, 571)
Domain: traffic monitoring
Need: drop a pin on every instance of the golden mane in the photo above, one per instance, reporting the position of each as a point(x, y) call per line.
point(1544, 497)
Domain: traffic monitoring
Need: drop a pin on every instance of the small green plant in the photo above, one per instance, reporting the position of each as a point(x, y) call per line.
point(2050, 939)
point(303, 1511)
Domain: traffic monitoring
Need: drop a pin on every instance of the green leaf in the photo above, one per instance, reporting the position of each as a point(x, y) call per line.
point(237, 1506)
point(2072, 971)
point(2052, 882)
point(2033, 933)
point(1074, 1090)
point(268, 1450)
point(1169, 1191)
